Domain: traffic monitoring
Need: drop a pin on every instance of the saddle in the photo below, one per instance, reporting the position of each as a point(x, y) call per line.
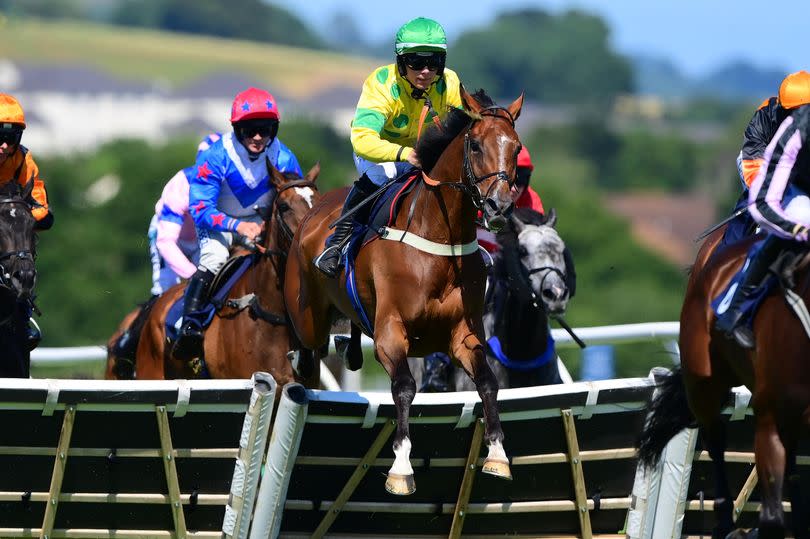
point(224, 281)
point(781, 272)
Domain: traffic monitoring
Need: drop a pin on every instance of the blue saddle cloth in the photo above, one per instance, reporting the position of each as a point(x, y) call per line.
point(751, 304)
point(383, 211)
point(174, 318)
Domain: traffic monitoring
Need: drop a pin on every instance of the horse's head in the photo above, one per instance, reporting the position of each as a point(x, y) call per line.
point(491, 147)
point(541, 252)
point(17, 240)
point(295, 196)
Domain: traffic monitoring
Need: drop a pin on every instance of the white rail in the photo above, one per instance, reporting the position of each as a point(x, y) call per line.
point(625, 333)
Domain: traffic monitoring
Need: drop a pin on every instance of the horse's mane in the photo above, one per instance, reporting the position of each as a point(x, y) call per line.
point(434, 140)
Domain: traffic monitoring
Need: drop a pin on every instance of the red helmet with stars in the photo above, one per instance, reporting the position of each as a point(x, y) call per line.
point(254, 103)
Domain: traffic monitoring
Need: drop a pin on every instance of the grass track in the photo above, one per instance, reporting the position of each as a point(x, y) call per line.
point(177, 59)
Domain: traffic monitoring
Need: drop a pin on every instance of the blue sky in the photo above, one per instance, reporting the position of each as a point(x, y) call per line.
point(697, 35)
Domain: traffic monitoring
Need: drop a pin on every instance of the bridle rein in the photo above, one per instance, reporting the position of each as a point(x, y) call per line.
point(469, 181)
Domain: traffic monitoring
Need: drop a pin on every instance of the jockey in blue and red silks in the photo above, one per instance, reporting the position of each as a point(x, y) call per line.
point(231, 182)
point(778, 201)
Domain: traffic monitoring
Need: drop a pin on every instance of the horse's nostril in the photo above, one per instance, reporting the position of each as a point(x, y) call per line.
point(549, 294)
point(492, 204)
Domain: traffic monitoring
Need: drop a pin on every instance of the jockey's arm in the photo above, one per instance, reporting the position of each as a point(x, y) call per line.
point(204, 189)
point(40, 211)
point(287, 162)
point(766, 198)
point(373, 110)
point(168, 235)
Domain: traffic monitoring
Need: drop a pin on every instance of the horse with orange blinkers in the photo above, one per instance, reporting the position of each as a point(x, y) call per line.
point(423, 289)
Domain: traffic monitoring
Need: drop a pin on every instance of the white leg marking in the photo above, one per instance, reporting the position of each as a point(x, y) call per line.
point(496, 452)
point(402, 460)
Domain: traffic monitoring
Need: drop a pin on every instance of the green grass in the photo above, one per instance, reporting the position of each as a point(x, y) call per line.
point(177, 59)
point(76, 370)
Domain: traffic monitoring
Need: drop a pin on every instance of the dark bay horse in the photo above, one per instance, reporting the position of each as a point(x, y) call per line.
point(776, 372)
point(420, 302)
point(17, 277)
point(241, 341)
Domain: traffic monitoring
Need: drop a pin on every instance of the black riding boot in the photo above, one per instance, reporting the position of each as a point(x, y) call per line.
point(437, 374)
point(329, 260)
point(730, 322)
point(189, 341)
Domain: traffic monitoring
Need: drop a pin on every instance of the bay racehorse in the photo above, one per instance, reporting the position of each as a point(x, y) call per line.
point(776, 372)
point(241, 339)
point(416, 301)
point(17, 277)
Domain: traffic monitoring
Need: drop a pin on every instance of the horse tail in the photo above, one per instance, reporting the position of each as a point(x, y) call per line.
point(126, 350)
point(669, 414)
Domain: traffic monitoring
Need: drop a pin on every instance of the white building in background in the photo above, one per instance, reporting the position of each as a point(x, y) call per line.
point(72, 109)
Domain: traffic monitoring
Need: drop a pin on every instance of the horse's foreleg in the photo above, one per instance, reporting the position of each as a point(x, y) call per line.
point(391, 347)
point(770, 459)
point(469, 351)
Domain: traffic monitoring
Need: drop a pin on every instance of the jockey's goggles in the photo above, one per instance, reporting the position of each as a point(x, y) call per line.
point(10, 136)
point(419, 61)
point(250, 128)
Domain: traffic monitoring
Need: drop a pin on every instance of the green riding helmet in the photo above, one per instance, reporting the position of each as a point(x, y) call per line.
point(420, 35)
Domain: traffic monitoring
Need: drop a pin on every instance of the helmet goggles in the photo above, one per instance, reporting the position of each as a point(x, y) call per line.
point(264, 127)
point(10, 134)
point(418, 61)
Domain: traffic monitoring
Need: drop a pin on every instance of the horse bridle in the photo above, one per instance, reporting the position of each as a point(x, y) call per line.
point(24, 254)
point(526, 273)
point(470, 182)
point(286, 231)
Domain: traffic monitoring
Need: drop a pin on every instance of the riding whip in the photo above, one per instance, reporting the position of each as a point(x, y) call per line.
point(721, 223)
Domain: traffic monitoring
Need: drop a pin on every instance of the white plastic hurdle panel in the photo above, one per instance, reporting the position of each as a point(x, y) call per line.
point(571, 448)
point(677, 498)
point(127, 459)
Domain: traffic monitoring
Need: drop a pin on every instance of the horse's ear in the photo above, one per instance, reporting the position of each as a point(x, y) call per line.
point(469, 101)
point(551, 218)
point(276, 177)
point(312, 175)
point(517, 104)
point(517, 224)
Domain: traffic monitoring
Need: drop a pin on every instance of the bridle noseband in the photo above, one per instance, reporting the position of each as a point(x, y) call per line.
point(469, 183)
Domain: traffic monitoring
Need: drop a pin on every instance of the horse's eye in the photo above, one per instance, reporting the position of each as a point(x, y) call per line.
point(523, 252)
point(283, 206)
point(475, 146)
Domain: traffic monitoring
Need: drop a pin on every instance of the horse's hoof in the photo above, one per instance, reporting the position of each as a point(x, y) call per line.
point(401, 485)
point(740, 533)
point(498, 468)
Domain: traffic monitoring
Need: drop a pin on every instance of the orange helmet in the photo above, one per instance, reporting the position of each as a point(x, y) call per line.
point(524, 160)
point(795, 90)
point(11, 111)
